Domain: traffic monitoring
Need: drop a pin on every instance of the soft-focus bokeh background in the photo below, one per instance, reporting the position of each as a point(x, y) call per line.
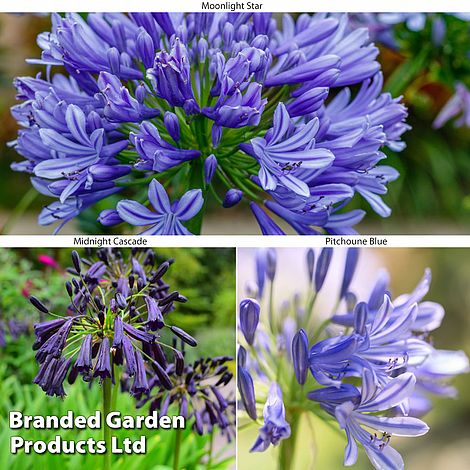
point(447, 445)
point(432, 195)
point(205, 276)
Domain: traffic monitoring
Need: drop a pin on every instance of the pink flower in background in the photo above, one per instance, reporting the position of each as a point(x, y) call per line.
point(25, 290)
point(49, 261)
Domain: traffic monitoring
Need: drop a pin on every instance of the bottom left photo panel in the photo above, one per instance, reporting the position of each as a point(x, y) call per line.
point(117, 358)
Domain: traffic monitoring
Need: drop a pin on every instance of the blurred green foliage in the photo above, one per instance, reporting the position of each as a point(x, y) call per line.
point(22, 274)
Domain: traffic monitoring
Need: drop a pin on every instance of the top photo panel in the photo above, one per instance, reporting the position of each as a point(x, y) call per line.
point(235, 123)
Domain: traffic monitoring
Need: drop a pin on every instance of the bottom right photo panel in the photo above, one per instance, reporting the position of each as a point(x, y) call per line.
point(353, 357)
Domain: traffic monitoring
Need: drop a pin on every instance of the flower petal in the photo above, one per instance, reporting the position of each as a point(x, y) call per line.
point(135, 213)
point(159, 198)
point(189, 204)
point(398, 426)
point(392, 394)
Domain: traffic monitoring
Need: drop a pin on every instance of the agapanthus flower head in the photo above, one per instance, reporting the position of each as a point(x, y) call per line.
point(119, 304)
point(458, 107)
point(287, 113)
point(12, 329)
point(370, 364)
point(200, 391)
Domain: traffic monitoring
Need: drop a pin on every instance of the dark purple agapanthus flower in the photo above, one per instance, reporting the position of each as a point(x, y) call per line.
point(202, 392)
point(118, 307)
point(287, 114)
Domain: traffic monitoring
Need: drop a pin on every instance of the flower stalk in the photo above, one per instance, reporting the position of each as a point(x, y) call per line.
point(177, 449)
point(106, 391)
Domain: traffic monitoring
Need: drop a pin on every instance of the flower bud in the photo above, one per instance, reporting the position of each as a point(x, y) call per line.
point(38, 304)
point(300, 356)
point(169, 298)
point(163, 377)
point(141, 93)
point(121, 301)
point(360, 318)
point(114, 60)
point(179, 362)
point(161, 270)
point(249, 318)
point(172, 125)
point(108, 172)
point(247, 392)
point(188, 339)
point(109, 217)
point(227, 33)
point(210, 165)
point(216, 135)
point(241, 356)
point(202, 49)
point(232, 198)
point(271, 263)
point(322, 267)
point(349, 269)
point(310, 263)
point(145, 48)
point(76, 261)
point(69, 287)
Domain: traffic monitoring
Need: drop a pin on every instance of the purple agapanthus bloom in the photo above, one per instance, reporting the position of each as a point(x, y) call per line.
point(168, 217)
point(275, 427)
point(200, 391)
point(291, 110)
point(116, 314)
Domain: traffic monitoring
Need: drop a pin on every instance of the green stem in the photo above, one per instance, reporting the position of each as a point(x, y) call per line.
point(287, 446)
point(176, 453)
point(114, 395)
point(309, 309)
point(196, 180)
point(211, 448)
point(20, 209)
point(106, 429)
point(271, 307)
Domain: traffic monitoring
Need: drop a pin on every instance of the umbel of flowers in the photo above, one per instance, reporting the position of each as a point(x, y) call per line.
point(198, 391)
point(118, 308)
point(370, 365)
point(161, 114)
